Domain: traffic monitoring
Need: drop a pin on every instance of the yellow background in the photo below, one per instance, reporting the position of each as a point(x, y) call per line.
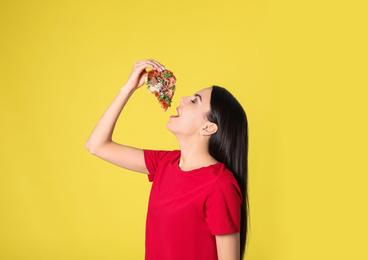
point(299, 69)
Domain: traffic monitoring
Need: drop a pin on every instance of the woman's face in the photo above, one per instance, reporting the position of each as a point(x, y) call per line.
point(191, 114)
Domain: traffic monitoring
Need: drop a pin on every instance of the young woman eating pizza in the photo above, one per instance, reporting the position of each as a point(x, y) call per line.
point(198, 206)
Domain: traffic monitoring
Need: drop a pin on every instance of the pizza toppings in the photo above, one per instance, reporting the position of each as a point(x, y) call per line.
point(162, 85)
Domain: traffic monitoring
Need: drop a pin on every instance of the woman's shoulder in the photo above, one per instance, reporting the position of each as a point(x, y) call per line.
point(222, 174)
point(162, 154)
point(217, 171)
point(173, 153)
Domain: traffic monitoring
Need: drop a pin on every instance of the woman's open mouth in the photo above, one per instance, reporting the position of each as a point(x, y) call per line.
point(177, 111)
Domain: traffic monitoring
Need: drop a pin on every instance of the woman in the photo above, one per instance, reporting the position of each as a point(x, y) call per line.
point(198, 206)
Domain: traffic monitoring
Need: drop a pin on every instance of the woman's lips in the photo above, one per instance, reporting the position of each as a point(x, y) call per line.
point(177, 111)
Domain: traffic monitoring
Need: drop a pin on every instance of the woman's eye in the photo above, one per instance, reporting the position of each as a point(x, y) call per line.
point(192, 101)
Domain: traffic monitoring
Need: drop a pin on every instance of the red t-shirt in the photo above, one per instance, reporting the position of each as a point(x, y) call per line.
point(187, 209)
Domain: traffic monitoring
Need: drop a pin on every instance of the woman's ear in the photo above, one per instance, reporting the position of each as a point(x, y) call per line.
point(209, 129)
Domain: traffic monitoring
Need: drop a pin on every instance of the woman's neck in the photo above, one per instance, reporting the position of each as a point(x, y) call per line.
point(194, 154)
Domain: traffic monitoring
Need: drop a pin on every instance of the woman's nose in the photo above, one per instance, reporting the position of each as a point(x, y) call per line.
point(183, 100)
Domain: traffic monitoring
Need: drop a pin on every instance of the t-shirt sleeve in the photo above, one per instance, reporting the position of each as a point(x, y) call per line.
point(223, 206)
point(152, 159)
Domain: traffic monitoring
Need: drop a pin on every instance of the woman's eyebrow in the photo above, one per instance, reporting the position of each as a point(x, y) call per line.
point(198, 96)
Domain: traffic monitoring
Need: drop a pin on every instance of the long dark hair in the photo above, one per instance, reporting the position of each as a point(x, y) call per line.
point(229, 145)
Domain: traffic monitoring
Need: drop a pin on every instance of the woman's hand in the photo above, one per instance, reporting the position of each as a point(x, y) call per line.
point(138, 74)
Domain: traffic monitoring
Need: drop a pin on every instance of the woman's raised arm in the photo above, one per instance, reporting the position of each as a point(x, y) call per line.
point(100, 141)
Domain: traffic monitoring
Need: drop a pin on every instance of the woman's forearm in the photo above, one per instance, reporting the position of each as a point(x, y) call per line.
point(102, 133)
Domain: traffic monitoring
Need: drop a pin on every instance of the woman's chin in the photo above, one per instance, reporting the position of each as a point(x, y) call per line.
point(170, 127)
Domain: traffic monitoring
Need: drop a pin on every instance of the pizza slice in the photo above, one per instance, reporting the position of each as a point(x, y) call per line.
point(162, 85)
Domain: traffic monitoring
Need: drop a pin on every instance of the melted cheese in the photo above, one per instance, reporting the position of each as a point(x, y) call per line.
point(157, 88)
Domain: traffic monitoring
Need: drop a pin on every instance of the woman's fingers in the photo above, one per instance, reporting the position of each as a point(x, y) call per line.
point(158, 65)
point(138, 74)
point(150, 63)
